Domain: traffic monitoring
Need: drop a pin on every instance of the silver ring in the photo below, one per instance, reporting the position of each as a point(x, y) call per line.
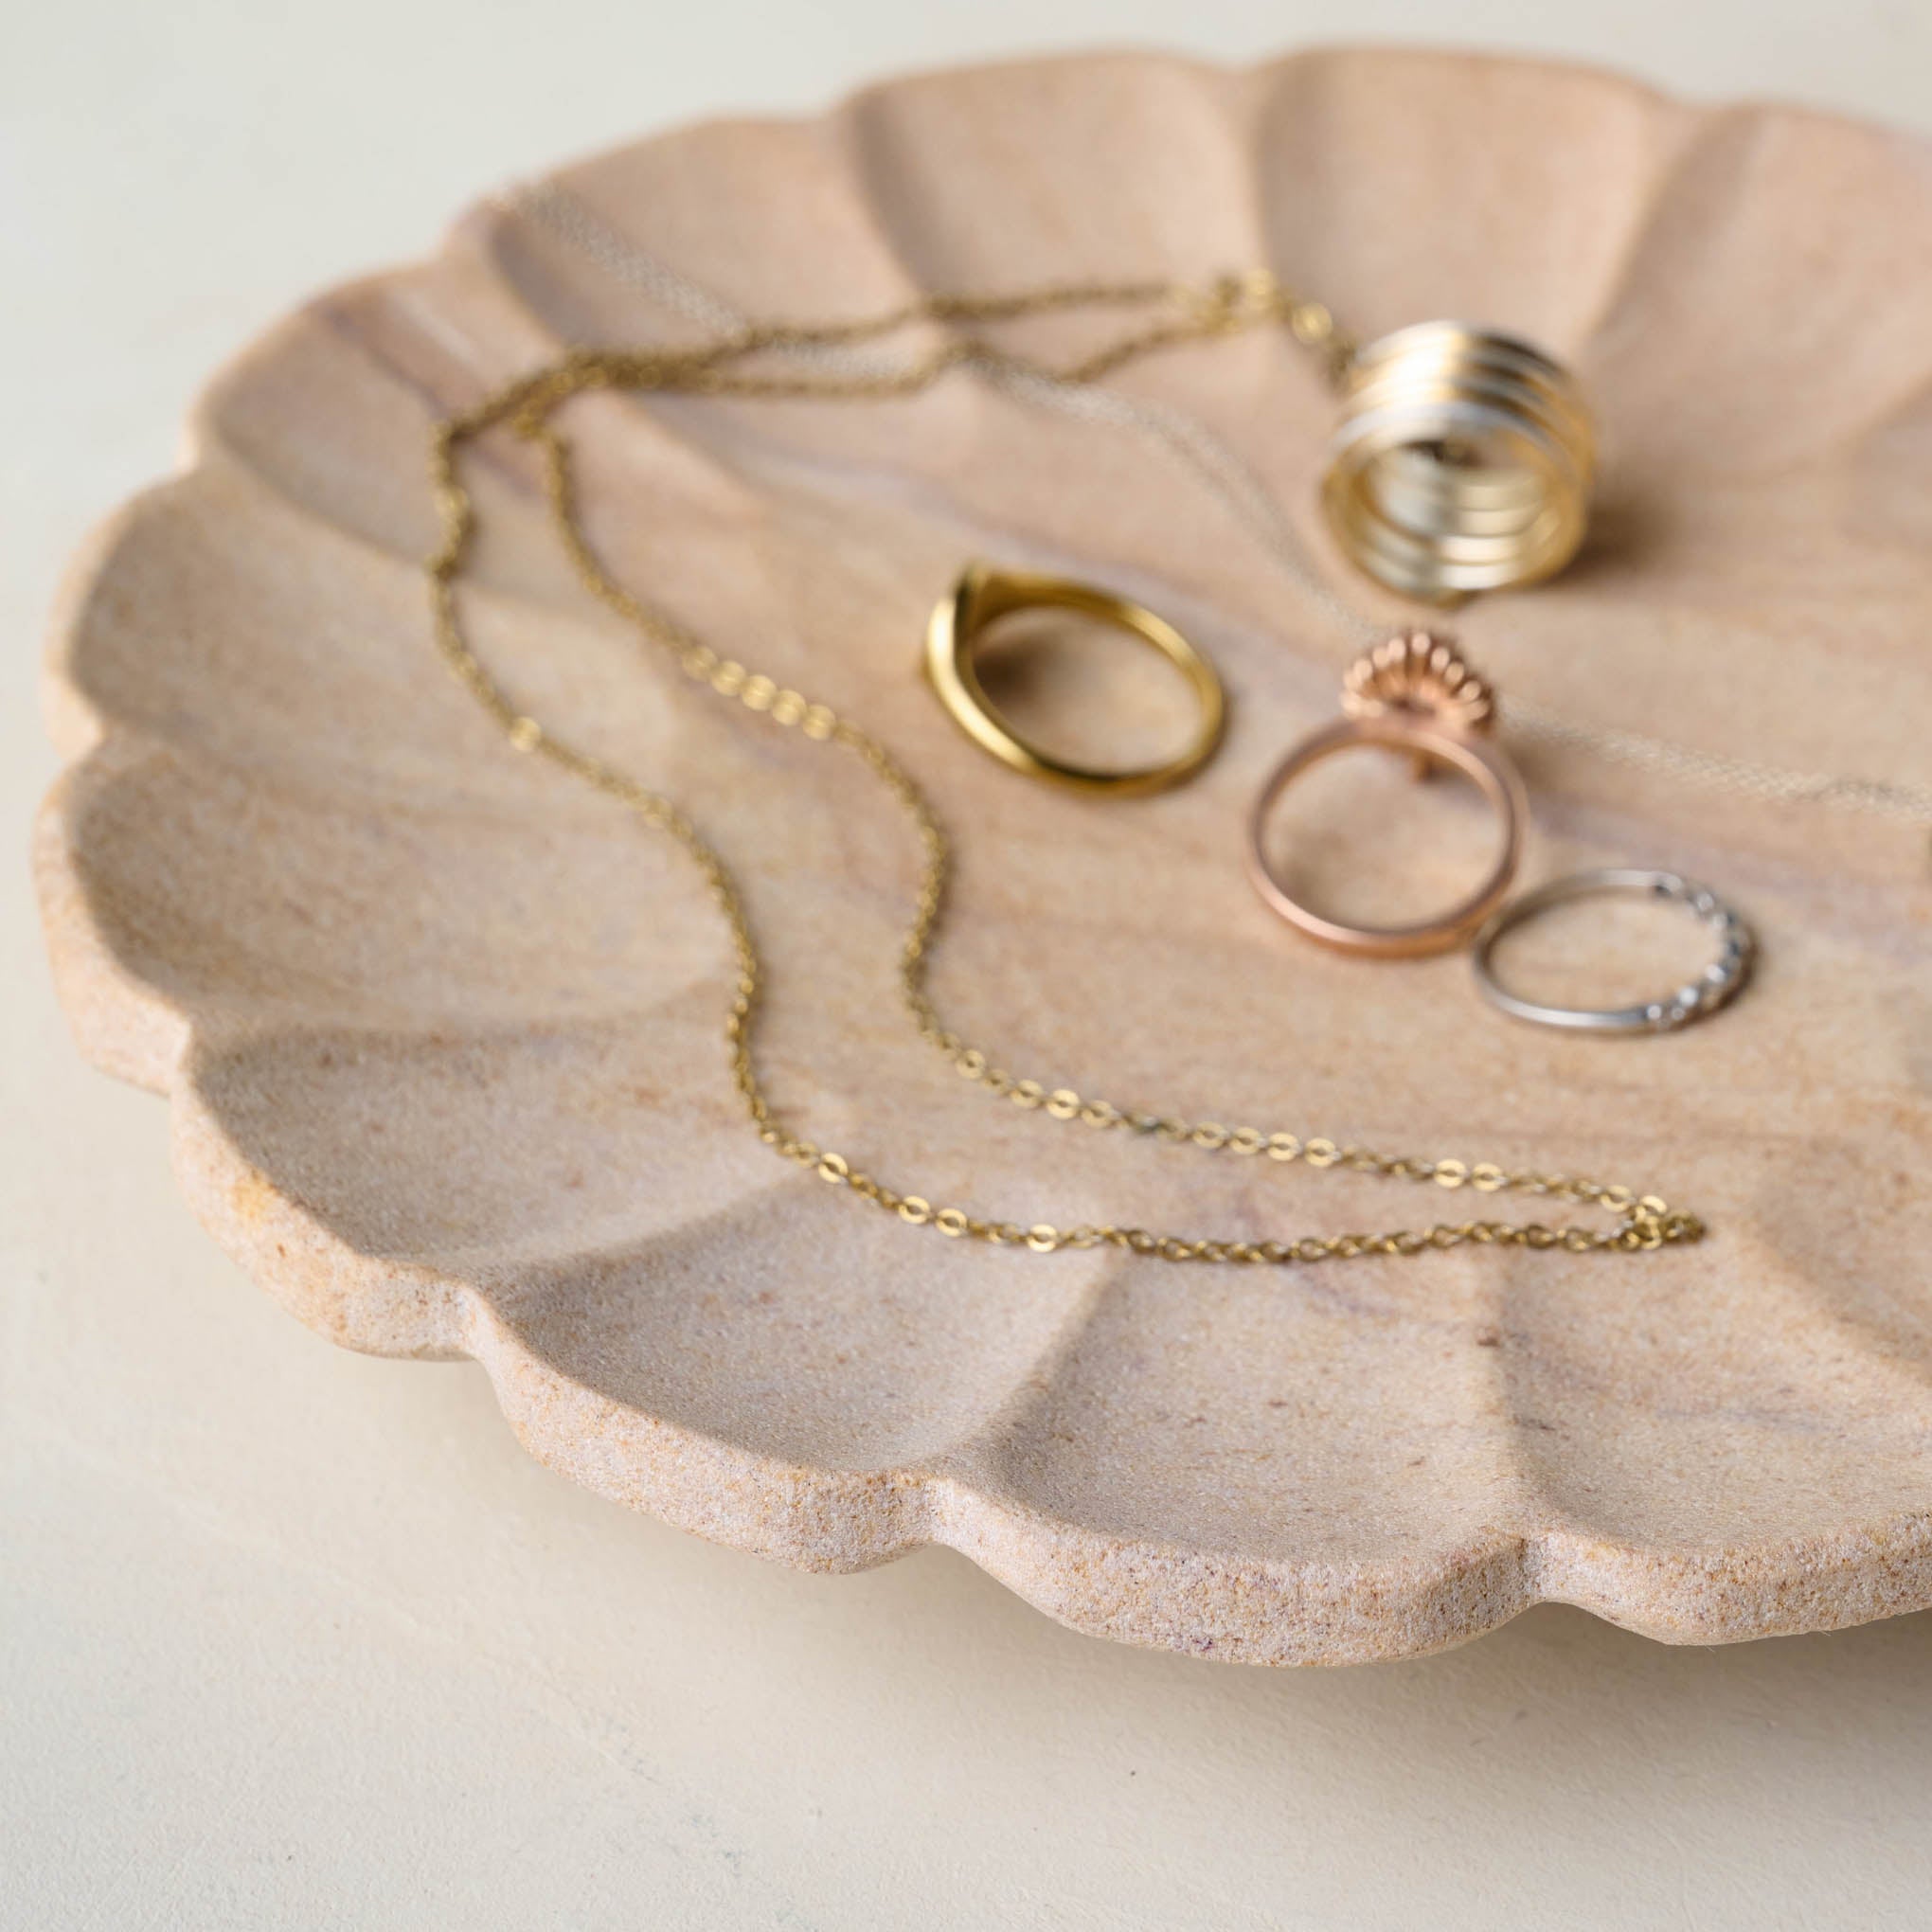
point(1718, 983)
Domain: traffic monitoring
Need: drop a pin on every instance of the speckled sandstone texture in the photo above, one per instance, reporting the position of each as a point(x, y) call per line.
point(441, 1033)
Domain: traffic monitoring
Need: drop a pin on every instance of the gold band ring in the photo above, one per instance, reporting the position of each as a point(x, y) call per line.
point(982, 597)
point(1462, 463)
point(1415, 693)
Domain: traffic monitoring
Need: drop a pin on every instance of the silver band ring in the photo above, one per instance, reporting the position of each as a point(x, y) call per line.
point(1717, 984)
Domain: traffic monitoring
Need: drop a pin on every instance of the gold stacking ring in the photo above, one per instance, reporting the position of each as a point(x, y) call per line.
point(1415, 694)
point(1462, 463)
point(982, 597)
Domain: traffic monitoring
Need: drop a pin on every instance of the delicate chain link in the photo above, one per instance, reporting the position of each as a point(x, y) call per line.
point(527, 406)
point(1908, 804)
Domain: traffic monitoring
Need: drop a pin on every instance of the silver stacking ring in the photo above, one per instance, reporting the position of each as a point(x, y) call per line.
point(1717, 984)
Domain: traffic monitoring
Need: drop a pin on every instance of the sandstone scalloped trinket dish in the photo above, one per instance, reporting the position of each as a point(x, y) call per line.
point(440, 1032)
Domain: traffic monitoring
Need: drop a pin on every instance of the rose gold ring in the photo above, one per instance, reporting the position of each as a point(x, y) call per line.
point(1413, 694)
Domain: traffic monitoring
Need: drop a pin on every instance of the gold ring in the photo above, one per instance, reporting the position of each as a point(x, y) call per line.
point(1417, 695)
point(982, 597)
point(1462, 463)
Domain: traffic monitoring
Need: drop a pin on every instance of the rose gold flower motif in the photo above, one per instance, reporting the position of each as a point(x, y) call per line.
point(1425, 676)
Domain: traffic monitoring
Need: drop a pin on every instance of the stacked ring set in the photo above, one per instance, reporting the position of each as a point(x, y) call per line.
point(1462, 463)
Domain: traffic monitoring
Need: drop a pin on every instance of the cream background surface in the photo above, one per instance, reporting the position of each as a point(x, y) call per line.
point(293, 1638)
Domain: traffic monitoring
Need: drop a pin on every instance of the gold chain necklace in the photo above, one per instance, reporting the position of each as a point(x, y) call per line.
point(1188, 312)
